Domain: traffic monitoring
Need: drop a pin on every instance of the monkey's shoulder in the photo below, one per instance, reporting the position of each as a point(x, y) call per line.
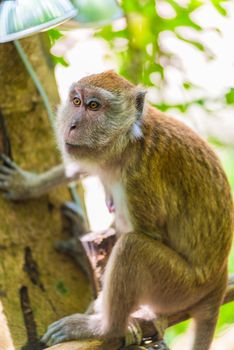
point(163, 127)
point(175, 156)
point(172, 139)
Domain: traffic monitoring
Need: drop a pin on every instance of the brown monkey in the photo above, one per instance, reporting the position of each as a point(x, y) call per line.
point(173, 207)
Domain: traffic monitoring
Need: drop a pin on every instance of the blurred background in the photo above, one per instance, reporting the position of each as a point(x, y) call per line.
point(183, 52)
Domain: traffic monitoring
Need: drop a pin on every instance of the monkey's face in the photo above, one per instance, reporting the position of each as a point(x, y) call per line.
point(101, 116)
point(93, 119)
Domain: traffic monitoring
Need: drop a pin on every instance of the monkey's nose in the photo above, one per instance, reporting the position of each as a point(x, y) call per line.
point(73, 126)
point(72, 129)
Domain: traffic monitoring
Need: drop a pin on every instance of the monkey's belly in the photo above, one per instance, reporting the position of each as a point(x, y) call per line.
point(122, 217)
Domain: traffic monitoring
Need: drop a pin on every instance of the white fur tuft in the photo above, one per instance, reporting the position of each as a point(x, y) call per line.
point(136, 131)
point(71, 169)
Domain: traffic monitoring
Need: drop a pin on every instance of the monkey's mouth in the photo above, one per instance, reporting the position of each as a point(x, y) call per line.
point(67, 144)
point(70, 147)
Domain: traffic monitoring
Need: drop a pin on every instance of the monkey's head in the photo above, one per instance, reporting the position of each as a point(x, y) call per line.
point(102, 114)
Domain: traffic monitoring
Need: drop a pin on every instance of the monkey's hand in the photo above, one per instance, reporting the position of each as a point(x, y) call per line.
point(17, 184)
point(74, 327)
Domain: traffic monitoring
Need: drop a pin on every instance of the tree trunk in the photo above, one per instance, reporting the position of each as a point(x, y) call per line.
point(38, 285)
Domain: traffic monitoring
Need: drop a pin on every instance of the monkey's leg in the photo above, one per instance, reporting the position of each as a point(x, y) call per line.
point(89, 326)
point(205, 314)
point(204, 331)
point(142, 270)
point(139, 270)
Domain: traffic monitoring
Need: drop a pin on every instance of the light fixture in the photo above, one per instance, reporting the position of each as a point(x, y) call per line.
point(95, 12)
point(20, 18)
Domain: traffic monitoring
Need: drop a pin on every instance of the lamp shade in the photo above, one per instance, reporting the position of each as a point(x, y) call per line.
point(96, 12)
point(20, 18)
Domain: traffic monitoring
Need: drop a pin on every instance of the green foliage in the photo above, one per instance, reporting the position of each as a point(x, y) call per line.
point(139, 46)
point(59, 60)
point(226, 316)
point(54, 35)
point(142, 53)
point(174, 331)
point(230, 96)
point(219, 6)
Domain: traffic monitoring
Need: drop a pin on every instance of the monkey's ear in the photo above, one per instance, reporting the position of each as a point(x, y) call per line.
point(136, 131)
point(139, 101)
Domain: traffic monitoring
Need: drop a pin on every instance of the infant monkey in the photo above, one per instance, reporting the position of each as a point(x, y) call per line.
point(173, 209)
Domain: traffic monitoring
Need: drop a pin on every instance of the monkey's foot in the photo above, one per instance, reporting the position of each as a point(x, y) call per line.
point(149, 345)
point(135, 337)
point(74, 327)
point(134, 334)
point(156, 345)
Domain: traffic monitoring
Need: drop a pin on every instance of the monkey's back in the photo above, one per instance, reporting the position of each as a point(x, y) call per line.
point(181, 186)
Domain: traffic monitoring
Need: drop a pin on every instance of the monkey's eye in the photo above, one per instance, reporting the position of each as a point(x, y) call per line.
point(76, 101)
point(93, 105)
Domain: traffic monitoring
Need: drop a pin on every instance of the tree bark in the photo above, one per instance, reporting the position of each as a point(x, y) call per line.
point(38, 285)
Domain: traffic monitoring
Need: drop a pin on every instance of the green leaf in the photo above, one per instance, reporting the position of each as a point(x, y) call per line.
point(59, 60)
point(194, 5)
point(54, 35)
point(187, 85)
point(229, 96)
point(226, 315)
point(173, 332)
point(197, 44)
point(219, 7)
point(215, 141)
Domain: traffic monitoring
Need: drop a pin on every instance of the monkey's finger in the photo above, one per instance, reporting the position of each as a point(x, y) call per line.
point(50, 331)
point(8, 161)
point(57, 323)
point(4, 185)
point(51, 338)
point(5, 170)
point(56, 339)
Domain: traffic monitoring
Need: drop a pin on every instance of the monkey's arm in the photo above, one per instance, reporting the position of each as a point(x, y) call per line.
point(19, 184)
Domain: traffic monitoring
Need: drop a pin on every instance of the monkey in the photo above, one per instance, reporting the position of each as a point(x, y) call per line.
point(173, 210)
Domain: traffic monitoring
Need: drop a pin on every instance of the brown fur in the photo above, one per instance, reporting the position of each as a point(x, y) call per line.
point(178, 201)
point(108, 80)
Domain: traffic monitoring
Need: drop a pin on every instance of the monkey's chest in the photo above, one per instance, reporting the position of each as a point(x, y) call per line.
point(117, 202)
